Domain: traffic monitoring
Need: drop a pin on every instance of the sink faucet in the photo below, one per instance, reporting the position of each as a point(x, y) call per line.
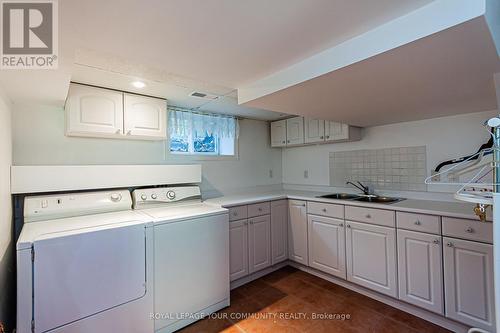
point(365, 189)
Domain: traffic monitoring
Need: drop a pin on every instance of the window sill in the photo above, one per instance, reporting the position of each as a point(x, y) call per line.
point(180, 157)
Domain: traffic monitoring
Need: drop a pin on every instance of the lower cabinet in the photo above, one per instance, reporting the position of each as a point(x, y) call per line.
point(238, 249)
point(371, 257)
point(468, 273)
point(279, 231)
point(327, 245)
point(420, 270)
point(249, 246)
point(259, 243)
point(297, 231)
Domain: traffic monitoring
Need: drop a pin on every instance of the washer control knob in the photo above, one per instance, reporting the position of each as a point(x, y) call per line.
point(154, 196)
point(144, 197)
point(115, 197)
point(171, 195)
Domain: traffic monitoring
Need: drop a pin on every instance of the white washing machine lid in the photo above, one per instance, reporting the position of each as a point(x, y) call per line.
point(169, 213)
point(60, 227)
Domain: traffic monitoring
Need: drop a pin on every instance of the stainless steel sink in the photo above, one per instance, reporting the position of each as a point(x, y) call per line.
point(339, 196)
point(378, 199)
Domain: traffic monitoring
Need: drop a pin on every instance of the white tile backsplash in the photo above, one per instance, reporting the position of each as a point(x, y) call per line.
point(402, 168)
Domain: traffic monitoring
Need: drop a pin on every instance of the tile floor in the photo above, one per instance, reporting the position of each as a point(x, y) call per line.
point(290, 291)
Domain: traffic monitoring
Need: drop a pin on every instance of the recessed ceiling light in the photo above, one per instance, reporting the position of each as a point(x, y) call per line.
point(138, 84)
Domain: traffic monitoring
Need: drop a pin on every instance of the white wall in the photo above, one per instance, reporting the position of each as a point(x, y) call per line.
point(445, 138)
point(7, 290)
point(38, 134)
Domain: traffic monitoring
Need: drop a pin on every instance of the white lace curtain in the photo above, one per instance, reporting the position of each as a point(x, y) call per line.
point(188, 123)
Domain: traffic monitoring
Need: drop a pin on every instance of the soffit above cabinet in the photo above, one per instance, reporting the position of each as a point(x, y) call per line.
point(401, 71)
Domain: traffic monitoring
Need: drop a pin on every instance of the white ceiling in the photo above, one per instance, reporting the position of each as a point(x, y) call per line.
point(214, 46)
point(447, 73)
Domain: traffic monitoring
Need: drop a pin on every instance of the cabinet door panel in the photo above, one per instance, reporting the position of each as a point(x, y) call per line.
point(468, 276)
point(278, 133)
point(259, 239)
point(371, 257)
point(94, 111)
point(295, 131)
point(336, 131)
point(314, 130)
point(145, 117)
point(238, 249)
point(279, 227)
point(297, 231)
point(420, 270)
point(327, 245)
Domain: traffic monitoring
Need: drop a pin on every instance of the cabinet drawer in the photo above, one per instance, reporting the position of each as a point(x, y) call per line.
point(468, 229)
point(237, 213)
point(324, 209)
point(370, 215)
point(259, 209)
point(419, 222)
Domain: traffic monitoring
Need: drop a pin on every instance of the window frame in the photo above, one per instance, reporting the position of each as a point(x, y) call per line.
point(170, 155)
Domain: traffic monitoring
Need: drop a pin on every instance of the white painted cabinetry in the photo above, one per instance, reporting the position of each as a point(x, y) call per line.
point(145, 117)
point(93, 111)
point(314, 130)
point(295, 131)
point(279, 231)
point(420, 270)
point(238, 249)
point(259, 243)
point(468, 274)
point(278, 133)
point(326, 244)
point(105, 113)
point(297, 231)
point(371, 257)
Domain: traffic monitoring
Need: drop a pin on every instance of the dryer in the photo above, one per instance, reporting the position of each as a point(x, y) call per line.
point(84, 264)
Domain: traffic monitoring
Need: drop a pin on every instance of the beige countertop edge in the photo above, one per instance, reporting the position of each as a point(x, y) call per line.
point(442, 208)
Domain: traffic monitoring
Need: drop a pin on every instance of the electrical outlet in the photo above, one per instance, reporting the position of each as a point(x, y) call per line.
point(270, 173)
point(306, 173)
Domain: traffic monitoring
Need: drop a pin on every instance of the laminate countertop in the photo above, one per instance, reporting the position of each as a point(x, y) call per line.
point(443, 208)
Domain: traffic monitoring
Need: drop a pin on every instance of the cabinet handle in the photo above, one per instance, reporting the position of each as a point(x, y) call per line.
point(449, 244)
point(328, 137)
point(368, 216)
point(324, 210)
point(260, 209)
point(251, 222)
point(348, 225)
point(469, 230)
point(436, 241)
point(235, 214)
point(417, 222)
point(283, 142)
point(341, 224)
point(287, 141)
point(129, 132)
point(321, 137)
point(118, 131)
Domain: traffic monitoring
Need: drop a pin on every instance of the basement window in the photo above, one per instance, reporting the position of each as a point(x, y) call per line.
point(196, 134)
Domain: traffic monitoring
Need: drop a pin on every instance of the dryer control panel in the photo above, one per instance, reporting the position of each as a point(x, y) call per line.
point(163, 195)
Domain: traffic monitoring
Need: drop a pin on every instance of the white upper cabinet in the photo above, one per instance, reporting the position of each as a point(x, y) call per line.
point(314, 130)
point(420, 268)
point(145, 117)
point(278, 133)
point(299, 131)
point(341, 132)
point(295, 131)
point(468, 276)
point(93, 111)
point(98, 112)
point(371, 257)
